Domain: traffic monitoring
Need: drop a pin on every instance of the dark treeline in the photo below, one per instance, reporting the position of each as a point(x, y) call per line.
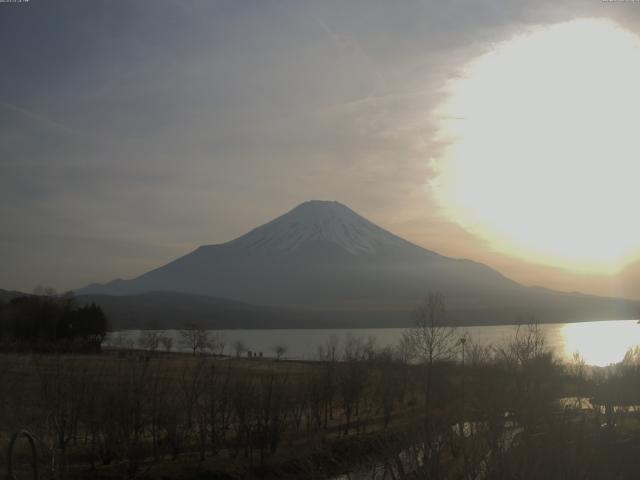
point(46, 321)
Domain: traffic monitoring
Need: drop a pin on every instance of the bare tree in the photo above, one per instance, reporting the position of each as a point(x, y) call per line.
point(527, 344)
point(403, 353)
point(354, 348)
point(576, 369)
point(63, 383)
point(352, 378)
point(388, 387)
point(477, 354)
point(280, 350)
point(149, 341)
point(217, 343)
point(329, 351)
point(431, 340)
point(167, 343)
point(194, 338)
point(239, 347)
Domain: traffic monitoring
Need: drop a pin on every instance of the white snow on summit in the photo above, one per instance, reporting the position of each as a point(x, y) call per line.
point(319, 221)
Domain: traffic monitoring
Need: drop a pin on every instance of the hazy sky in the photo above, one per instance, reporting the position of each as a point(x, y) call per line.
point(132, 132)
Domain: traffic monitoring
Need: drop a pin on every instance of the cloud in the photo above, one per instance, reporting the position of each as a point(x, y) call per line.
point(173, 124)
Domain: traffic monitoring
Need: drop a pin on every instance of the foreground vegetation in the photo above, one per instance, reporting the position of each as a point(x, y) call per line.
point(437, 406)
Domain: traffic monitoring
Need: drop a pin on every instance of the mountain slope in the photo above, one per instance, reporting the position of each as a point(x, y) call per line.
point(324, 256)
point(320, 254)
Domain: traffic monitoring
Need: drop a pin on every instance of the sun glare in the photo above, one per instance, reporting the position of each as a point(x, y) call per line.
point(542, 152)
point(600, 343)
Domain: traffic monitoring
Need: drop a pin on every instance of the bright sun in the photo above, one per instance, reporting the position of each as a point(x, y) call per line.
point(542, 146)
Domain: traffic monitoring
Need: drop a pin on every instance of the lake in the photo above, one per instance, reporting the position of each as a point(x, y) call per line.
point(599, 343)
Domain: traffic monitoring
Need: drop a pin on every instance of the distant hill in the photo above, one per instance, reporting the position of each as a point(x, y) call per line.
point(166, 310)
point(7, 295)
point(162, 310)
point(322, 257)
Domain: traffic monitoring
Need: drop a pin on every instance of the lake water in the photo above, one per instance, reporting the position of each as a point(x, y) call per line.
point(599, 343)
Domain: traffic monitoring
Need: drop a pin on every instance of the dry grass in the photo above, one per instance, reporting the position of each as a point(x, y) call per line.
point(23, 377)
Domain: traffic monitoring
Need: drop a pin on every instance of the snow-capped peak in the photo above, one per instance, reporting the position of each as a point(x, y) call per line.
point(318, 220)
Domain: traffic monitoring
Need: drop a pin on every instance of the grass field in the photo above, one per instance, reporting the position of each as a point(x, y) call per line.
point(132, 414)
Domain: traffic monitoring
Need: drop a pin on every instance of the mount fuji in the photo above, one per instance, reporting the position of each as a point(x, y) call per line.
point(323, 257)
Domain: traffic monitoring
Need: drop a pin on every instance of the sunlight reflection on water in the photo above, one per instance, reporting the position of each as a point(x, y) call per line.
point(600, 343)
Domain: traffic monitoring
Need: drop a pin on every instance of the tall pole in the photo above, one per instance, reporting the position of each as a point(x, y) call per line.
point(463, 341)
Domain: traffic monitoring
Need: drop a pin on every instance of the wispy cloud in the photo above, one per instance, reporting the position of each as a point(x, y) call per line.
point(180, 123)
